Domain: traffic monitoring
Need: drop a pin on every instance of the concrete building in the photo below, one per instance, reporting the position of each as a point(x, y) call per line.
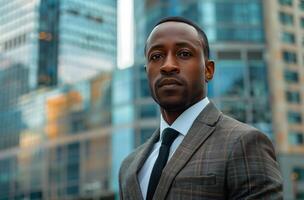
point(284, 25)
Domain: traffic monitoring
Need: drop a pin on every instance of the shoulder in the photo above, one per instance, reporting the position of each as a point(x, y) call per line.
point(239, 129)
point(239, 133)
point(246, 136)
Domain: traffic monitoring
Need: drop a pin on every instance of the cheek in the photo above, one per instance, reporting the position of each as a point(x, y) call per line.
point(151, 79)
point(196, 75)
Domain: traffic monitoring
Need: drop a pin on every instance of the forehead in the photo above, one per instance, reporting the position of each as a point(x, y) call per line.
point(176, 31)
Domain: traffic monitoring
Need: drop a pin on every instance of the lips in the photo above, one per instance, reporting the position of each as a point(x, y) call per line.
point(168, 82)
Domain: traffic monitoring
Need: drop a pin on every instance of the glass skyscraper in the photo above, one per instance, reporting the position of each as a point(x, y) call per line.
point(134, 115)
point(63, 146)
point(56, 58)
point(59, 41)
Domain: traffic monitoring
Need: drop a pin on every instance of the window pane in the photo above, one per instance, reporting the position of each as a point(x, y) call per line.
point(261, 111)
point(291, 76)
point(148, 110)
point(229, 80)
point(255, 55)
point(301, 5)
point(294, 117)
point(285, 2)
point(286, 19)
point(293, 96)
point(288, 38)
point(295, 138)
point(236, 110)
point(289, 57)
point(302, 22)
point(258, 80)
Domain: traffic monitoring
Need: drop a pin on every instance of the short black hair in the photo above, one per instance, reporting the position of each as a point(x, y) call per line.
point(201, 33)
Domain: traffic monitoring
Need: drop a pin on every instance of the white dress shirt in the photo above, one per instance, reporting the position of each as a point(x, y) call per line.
point(182, 124)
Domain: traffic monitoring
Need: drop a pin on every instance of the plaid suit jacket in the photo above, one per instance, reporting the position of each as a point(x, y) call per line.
point(219, 158)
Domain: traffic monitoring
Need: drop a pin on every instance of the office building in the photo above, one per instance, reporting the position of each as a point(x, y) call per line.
point(13, 79)
point(284, 25)
point(55, 63)
point(59, 41)
point(63, 150)
point(134, 115)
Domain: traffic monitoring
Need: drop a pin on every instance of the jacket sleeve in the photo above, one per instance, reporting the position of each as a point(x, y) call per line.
point(252, 170)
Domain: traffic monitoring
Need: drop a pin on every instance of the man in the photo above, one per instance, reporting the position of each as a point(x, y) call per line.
point(208, 155)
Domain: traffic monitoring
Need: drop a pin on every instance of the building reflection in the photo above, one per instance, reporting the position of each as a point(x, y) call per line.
point(64, 151)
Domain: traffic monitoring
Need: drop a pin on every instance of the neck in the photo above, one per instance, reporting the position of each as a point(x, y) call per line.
point(170, 116)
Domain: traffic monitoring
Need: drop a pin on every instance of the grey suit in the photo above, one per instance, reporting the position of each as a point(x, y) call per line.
point(220, 158)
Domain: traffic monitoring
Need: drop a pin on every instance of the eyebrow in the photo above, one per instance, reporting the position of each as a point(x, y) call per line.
point(178, 44)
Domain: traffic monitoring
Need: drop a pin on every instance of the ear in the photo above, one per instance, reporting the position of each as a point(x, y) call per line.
point(209, 70)
point(145, 66)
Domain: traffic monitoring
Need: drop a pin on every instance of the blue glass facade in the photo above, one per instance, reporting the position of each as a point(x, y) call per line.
point(59, 41)
point(55, 140)
point(63, 148)
point(87, 36)
point(135, 115)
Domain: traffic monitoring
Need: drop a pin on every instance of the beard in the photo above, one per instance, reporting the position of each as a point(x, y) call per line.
point(177, 100)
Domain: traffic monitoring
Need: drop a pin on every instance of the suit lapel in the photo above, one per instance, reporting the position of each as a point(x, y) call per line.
point(132, 182)
point(201, 128)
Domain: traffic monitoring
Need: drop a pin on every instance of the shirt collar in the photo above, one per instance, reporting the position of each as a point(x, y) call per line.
point(184, 122)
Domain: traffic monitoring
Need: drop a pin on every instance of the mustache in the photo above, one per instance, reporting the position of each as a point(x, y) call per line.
point(164, 80)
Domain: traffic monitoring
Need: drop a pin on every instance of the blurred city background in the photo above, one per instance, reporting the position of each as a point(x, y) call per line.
point(69, 115)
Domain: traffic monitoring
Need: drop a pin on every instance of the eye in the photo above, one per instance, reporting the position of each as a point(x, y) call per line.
point(184, 54)
point(155, 57)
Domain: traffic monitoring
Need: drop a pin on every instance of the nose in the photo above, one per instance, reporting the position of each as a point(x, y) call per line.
point(170, 65)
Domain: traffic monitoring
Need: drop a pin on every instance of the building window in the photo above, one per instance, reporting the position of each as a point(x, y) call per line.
point(286, 19)
point(296, 138)
point(302, 22)
point(299, 171)
point(289, 57)
point(288, 38)
point(301, 5)
point(147, 111)
point(291, 76)
point(229, 55)
point(255, 55)
point(144, 135)
point(300, 195)
point(285, 2)
point(294, 117)
point(293, 96)
point(15, 42)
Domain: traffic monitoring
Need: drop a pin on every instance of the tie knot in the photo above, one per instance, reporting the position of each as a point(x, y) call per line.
point(169, 135)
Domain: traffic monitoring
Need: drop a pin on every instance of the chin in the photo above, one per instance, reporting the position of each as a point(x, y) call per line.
point(173, 105)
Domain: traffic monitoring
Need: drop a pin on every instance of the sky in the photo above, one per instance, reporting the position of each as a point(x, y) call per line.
point(125, 36)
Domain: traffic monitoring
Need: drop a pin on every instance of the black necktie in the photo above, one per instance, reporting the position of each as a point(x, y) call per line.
point(169, 135)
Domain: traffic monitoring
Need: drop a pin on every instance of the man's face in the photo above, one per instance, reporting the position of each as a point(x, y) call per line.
point(176, 66)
